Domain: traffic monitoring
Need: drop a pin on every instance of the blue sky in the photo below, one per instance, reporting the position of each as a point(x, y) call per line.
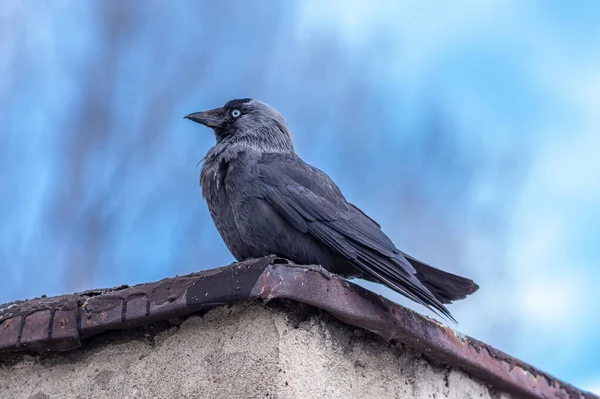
point(469, 131)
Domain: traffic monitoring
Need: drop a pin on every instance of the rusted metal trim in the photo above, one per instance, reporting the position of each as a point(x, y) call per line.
point(59, 323)
point(359, 307)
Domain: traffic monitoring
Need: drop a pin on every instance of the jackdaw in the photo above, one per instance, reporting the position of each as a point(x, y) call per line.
point(264, 199)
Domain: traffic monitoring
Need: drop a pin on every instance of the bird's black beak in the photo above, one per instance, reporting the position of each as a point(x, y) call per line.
point(213, 118)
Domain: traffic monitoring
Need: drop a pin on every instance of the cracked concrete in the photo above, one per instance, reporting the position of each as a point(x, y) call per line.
point(241, 351)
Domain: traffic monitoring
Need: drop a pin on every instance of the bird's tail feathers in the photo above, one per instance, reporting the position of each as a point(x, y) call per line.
point(396, 273)
point(446, 287)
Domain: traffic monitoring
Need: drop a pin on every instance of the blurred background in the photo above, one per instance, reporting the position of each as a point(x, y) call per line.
point(470, 131)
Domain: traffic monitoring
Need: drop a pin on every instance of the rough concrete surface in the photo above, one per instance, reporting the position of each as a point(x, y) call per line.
point(241, 351)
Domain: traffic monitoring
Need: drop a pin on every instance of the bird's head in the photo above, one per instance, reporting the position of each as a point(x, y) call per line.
point(248, 123)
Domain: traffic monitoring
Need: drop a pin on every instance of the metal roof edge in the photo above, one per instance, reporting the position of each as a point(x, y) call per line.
point(60, 323)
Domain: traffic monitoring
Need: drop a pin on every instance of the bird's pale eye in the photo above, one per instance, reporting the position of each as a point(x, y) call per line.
point(235, 113)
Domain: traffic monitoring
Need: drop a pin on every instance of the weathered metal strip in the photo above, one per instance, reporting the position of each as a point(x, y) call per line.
point(59, 323)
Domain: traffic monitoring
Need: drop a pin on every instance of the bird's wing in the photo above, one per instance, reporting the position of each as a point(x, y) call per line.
point(312, 203)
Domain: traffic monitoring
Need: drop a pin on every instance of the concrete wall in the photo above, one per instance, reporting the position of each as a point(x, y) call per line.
point(242, 351)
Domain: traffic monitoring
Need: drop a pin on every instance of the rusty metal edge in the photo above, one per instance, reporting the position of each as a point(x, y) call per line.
point(361, 308)
point(60, 323)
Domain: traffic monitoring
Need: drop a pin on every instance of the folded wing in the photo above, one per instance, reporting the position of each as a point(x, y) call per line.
point(311, 202)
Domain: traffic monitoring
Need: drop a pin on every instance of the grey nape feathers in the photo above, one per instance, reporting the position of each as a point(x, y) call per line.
point(265, 200)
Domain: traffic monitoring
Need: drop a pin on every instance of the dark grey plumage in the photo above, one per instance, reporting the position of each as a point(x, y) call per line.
point(265, 200)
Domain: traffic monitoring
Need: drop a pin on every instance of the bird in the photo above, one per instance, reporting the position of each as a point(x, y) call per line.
point(265, 200)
